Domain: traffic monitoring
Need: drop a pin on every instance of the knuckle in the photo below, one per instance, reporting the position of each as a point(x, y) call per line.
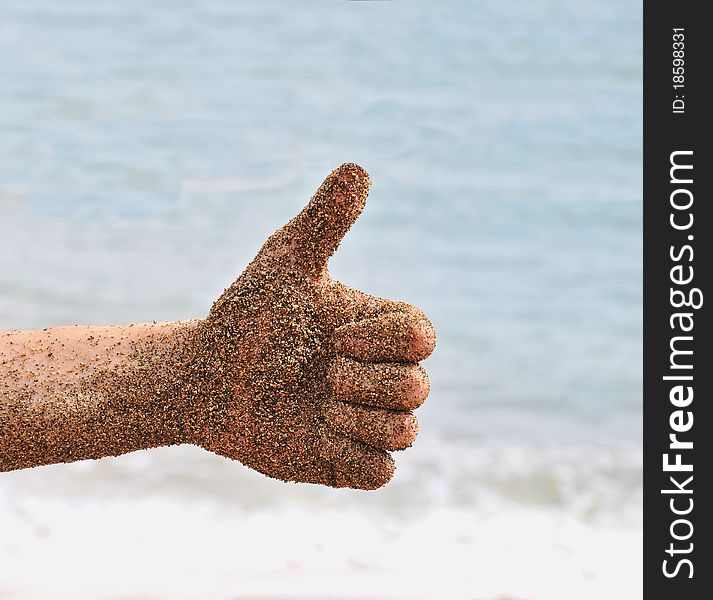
point(416, 386)
point(404, 430)
point(384, 472)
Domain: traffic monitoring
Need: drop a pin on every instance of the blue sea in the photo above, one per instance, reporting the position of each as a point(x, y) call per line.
point(146, 151)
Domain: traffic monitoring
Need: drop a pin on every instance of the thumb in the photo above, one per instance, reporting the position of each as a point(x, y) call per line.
point(316, 232)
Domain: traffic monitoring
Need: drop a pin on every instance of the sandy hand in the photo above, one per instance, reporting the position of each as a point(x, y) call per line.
point(307, 379)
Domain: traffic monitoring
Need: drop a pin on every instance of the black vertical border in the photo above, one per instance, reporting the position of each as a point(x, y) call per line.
point(663, 133)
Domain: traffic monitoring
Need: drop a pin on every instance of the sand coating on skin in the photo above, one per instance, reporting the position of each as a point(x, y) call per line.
point(292, 373)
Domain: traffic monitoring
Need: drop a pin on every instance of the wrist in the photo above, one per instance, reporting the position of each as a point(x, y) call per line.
point(145, 390)
point(168, 367)
point(213, 371)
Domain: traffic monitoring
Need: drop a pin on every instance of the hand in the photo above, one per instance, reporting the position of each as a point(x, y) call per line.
point(301, 377)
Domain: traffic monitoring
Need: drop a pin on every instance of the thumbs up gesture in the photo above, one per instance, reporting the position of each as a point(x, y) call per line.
point(297, 375)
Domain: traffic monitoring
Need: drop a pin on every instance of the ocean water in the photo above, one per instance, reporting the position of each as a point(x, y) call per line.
point(147, 149)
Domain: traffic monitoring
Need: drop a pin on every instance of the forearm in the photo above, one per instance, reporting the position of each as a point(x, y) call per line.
point(72, 393)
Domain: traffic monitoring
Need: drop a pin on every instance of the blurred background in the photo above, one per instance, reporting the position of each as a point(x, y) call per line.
point(146, 151)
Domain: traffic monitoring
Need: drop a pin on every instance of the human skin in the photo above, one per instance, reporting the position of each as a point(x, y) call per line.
point(291, 373)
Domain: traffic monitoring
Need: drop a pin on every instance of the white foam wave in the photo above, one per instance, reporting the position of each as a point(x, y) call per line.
point(459, 521)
